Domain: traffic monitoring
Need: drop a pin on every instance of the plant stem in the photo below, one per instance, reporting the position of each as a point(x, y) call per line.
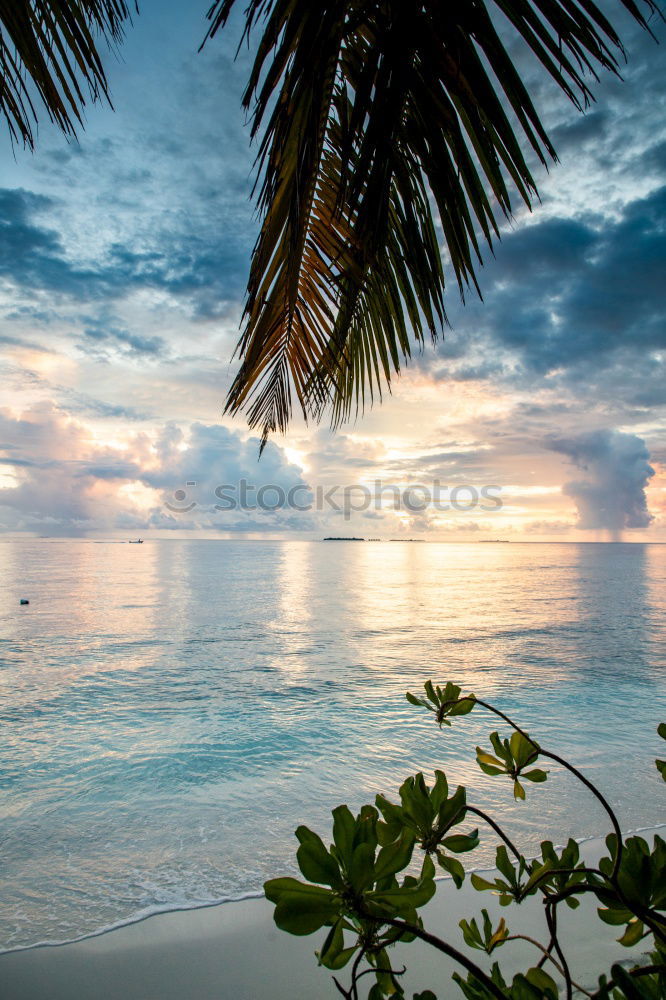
point(569, 767)
point(448, 950)
point(393, 972)
point(498, 830)
point(644, 970)
point(547, 955)
point(353, 992)
point(650, 917)
point(564, 871)
point(601, 798)
point(341, 989)
point(551, 919)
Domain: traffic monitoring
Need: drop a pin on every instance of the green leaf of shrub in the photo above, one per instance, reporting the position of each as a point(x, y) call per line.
point(298, 913)
point(440, 791)
point(460, 843)
point(315, 862)
point(362, 869)
point(543, 982)
point(503, 865)
point(481, 884)
point(536, 775)
point(394, 857)
point(633, 934)
point(453, 867)
point(276, 888)
point(471, 934)
point(333, 954)
point(536, 875)
point(343, 832)
point(615, 917)
point(407, 897)
point(413, 700)
point(464, 707)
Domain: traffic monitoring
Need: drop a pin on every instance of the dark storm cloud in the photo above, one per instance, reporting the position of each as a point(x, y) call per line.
point(206, 267)
point(619, 296)
point(567, 297)
point(584, 293)
point(164, 182)
point(654, 158)
point(575, 292)
point(580, 129)
point(31, 256)
point(616, 469)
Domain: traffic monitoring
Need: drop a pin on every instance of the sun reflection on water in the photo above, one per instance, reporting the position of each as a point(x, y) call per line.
point(164, 705)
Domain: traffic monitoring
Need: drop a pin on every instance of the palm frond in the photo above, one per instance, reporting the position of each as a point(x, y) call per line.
point(379, 119)
point(48, 55)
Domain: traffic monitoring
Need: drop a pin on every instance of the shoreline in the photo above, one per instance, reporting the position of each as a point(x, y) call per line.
point(158, 911)
point(233, 951)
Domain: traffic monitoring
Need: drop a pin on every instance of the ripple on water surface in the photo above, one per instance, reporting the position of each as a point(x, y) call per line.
point(170, 712)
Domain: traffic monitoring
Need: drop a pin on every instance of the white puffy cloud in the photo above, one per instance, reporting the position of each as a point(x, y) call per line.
point(61, 479)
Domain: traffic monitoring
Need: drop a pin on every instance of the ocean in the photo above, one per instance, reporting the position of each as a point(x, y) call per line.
point(170, 712)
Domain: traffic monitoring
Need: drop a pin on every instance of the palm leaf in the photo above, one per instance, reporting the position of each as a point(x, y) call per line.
point(48, 55)
point(376, 118)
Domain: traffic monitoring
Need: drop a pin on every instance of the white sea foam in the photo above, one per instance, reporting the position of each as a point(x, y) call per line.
point(154, 911)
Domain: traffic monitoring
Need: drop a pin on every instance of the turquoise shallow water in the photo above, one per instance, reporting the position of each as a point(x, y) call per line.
point(170, 712)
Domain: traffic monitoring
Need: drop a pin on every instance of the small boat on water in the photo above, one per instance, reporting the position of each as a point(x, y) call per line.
point(137, 541)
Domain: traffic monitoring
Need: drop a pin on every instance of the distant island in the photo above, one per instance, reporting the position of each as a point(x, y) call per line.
point(348, 538)
point(344, 539)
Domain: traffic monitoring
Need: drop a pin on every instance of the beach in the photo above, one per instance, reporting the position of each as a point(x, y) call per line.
point(233, 951)
point(248, 319)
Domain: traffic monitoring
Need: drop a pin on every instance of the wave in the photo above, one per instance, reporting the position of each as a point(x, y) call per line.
point(160, 909)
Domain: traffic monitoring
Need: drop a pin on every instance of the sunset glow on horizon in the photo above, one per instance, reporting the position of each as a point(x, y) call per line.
point(123, 273)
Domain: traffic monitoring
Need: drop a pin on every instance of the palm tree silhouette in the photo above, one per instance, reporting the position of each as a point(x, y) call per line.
point(378, 121)
point(48, 54)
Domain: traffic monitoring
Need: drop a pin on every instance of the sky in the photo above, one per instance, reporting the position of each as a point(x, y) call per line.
point(540, 415)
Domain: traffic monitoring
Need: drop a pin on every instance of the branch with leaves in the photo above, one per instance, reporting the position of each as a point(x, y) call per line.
point(356, 887)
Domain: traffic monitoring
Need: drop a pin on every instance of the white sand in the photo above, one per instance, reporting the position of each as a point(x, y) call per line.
point(235, 952)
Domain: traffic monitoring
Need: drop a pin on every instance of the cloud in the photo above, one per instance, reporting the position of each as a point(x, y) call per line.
point(612, 493)
point(31, 256)
point(122, 268)
point(574, 305)
point(100, 332)
point(66, 482)
point(184, 257)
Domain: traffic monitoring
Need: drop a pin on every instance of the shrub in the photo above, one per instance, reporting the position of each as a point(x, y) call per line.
point(353, 887)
